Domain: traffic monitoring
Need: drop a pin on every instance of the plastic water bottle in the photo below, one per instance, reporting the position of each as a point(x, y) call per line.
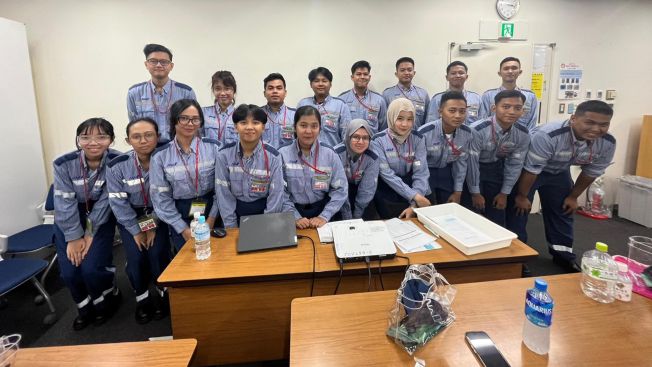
point(599, 273)
point(623, 285)
point(193, 224)
point(202, 240)
point(538, 318)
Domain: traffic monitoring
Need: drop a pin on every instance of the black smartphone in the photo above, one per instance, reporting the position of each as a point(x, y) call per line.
point(485, 349)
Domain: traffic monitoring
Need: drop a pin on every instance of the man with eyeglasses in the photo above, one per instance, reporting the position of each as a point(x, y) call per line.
point(456, 75)
point(153, 98)
point(583, 141)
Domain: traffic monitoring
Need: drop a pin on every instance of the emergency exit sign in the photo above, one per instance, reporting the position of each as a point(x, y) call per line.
point(507, 30)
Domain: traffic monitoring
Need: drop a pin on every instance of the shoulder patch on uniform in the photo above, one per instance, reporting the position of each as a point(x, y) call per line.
point(490, 90)
point(339, 99)
point(371, 154)
point(322, 144)
point(339, 148)
point(610, 138)
point(118, 159)
point(526, 90)
point(183, 86)
point(270, 149)
point(226, 146)
point(388, 88)
point(112, 154)
point(561, 130)
point(418, 133)
point(136, 85)
point(465, 128)
point(66, 157)
point(210, 141)
point(483, 125)
point(374, 92)
point(291, 108)
point(343, 93)
point(161, 148)
point(522, 128)
point(425, 128)
point(379, 135)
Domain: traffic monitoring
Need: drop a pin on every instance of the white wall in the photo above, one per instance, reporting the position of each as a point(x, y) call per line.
point(86, 54)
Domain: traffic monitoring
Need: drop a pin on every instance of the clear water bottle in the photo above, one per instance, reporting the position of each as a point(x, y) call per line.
point(193, 223)
point(202, 240)
point(599, 273)
point(538, 318)
point(623, 285)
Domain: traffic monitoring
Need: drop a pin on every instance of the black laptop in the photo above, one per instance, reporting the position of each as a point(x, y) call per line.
point(267, 231)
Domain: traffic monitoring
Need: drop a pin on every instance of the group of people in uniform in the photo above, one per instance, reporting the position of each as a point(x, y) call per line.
point(360, 155)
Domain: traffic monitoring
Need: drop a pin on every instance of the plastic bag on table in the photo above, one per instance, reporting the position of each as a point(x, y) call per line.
point(422, 307)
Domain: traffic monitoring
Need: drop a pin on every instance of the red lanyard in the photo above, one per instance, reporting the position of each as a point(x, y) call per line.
point(266, 164)
point(176, 145)
point(151, 93)
point(357, 174)
point(314, 165)
point(320, 107)
point(285, 113)
point(220, 126)
point(360, 101)
point(141, 181)
point(409, 159)
point(451, 142)
point(418, 100)
point(85, 179)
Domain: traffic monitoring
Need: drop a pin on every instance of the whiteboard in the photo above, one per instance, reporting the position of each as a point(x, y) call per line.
point(23, 184)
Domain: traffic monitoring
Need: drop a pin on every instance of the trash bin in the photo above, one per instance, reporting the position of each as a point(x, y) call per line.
point(635, 199)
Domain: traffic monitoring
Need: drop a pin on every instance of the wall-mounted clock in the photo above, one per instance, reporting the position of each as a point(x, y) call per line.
point(507, 9)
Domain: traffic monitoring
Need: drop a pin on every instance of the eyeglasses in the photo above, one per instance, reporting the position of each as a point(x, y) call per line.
point(357, 138)
point(147, 136)
point(87, 139)
point(186, 120)
point(163, 62)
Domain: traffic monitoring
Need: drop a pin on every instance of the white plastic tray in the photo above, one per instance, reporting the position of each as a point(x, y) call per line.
point(469, 232)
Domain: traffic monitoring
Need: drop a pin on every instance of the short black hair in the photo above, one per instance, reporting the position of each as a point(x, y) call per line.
point(271, 77)
point(404, 59)
point(177, 108)
point(142, 119)
point(226, 77)
point(314, 73)
point(153, 47)
point(452, 95)
point(456, 63)
point(594, 105)
point(509, 94)
point(100, 123)
point(362, 64)
point(244, 110)
point(305, 111)
point(508, 59)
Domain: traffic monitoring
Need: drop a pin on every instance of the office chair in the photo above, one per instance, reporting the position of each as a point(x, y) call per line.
point(16, 271)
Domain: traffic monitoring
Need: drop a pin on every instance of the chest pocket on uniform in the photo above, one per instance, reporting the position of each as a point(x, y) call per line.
point(330, 121)
point(145, 106)
point(207, 176)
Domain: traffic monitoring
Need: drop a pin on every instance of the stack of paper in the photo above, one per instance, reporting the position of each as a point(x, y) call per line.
point(409, 238)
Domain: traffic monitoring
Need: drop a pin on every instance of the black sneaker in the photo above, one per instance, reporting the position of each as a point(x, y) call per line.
point(111, 305)
point(162, 307)
point(569, 266)
point(144, 312)
point(84, 318)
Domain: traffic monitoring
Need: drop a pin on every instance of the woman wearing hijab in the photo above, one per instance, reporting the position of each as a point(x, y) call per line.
point(361, 166)
point(403, 180)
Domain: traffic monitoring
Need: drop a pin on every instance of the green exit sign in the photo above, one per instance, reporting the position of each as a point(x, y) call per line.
point(507, 30)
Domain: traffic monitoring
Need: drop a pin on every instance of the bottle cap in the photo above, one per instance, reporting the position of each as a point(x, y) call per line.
point(622, 267)
point(541, 285)
point(601, 246)
point(196, 215)
point(202, 219)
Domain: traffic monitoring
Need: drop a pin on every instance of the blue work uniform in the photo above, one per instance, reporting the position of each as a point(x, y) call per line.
point(530, 108)
point(248, 186)
point(335, 117)
point(218, 124)
point(497, 164)
point(316, 185)
point(81, 201)
point(473, 103)
point(279, 129)
point(371, 108)
point(362, 177)
point(143, 101)
point(181, 182)
point(403, 172)
point(128, 185)
point(553, 149)
point(447, 158)
point(418, 96)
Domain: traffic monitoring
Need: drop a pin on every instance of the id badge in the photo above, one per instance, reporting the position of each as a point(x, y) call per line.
point(472, 110)
point(320, 182)
point(420, 107)
point(259, 185)
point(197, 206)
point(287, 133)
point(372, 115)
point(88, 231)
point(330, 120)
point(146, 222)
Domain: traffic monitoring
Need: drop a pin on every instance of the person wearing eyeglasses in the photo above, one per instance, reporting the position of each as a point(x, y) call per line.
point(84, 226)
point(583, 140)
point(364, 103)
point(361, 166)
point(219, 122)
point(456, 76)
point(153, 98)
point(182, 173)
point(448, 142)
point(405, 72)
point(249, 173)
point(145, 238)
point(316, 183)
point(334, 112)
point(403, 181)
point(279, 128)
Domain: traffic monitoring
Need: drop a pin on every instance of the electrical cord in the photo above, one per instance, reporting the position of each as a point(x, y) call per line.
point(339, 279)
point(366, 260)
point(314, 260)
point(406, 258)
point(380, 273)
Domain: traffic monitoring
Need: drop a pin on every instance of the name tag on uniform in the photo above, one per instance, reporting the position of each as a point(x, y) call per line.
point(146, 222)
point(372, 114)
point(259, 184)
point(330, 119)
point(287, 132)
point(197, 206)
point(420, 107)
point(320, 182)
point(472, 110)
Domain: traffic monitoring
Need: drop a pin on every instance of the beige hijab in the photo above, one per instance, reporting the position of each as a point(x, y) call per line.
point(398, 105)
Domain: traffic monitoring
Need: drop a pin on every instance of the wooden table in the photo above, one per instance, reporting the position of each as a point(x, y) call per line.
point(349, 330)
point(165, 353)
point(238, 305)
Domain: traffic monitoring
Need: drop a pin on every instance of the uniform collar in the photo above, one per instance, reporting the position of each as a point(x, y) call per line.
point(240, 152)
point(328, 98)
point(574, 139)
point(166, 87)
point(503, 88)
point(400, 87)
point(270, 110)
point(312, 148)
point(497, 127)
point(365, 95)
point(229, 109)
point(193, 144)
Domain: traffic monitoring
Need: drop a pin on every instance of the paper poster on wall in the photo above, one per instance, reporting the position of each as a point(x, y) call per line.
point(537, 84)
point(570, 78)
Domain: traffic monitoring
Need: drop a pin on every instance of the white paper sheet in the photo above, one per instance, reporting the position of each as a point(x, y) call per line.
point(461, 230)
point(409, 238)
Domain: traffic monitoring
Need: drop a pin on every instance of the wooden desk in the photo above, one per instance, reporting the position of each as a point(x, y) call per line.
point(238, 305)
point(337, 331)
point(165, 353)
